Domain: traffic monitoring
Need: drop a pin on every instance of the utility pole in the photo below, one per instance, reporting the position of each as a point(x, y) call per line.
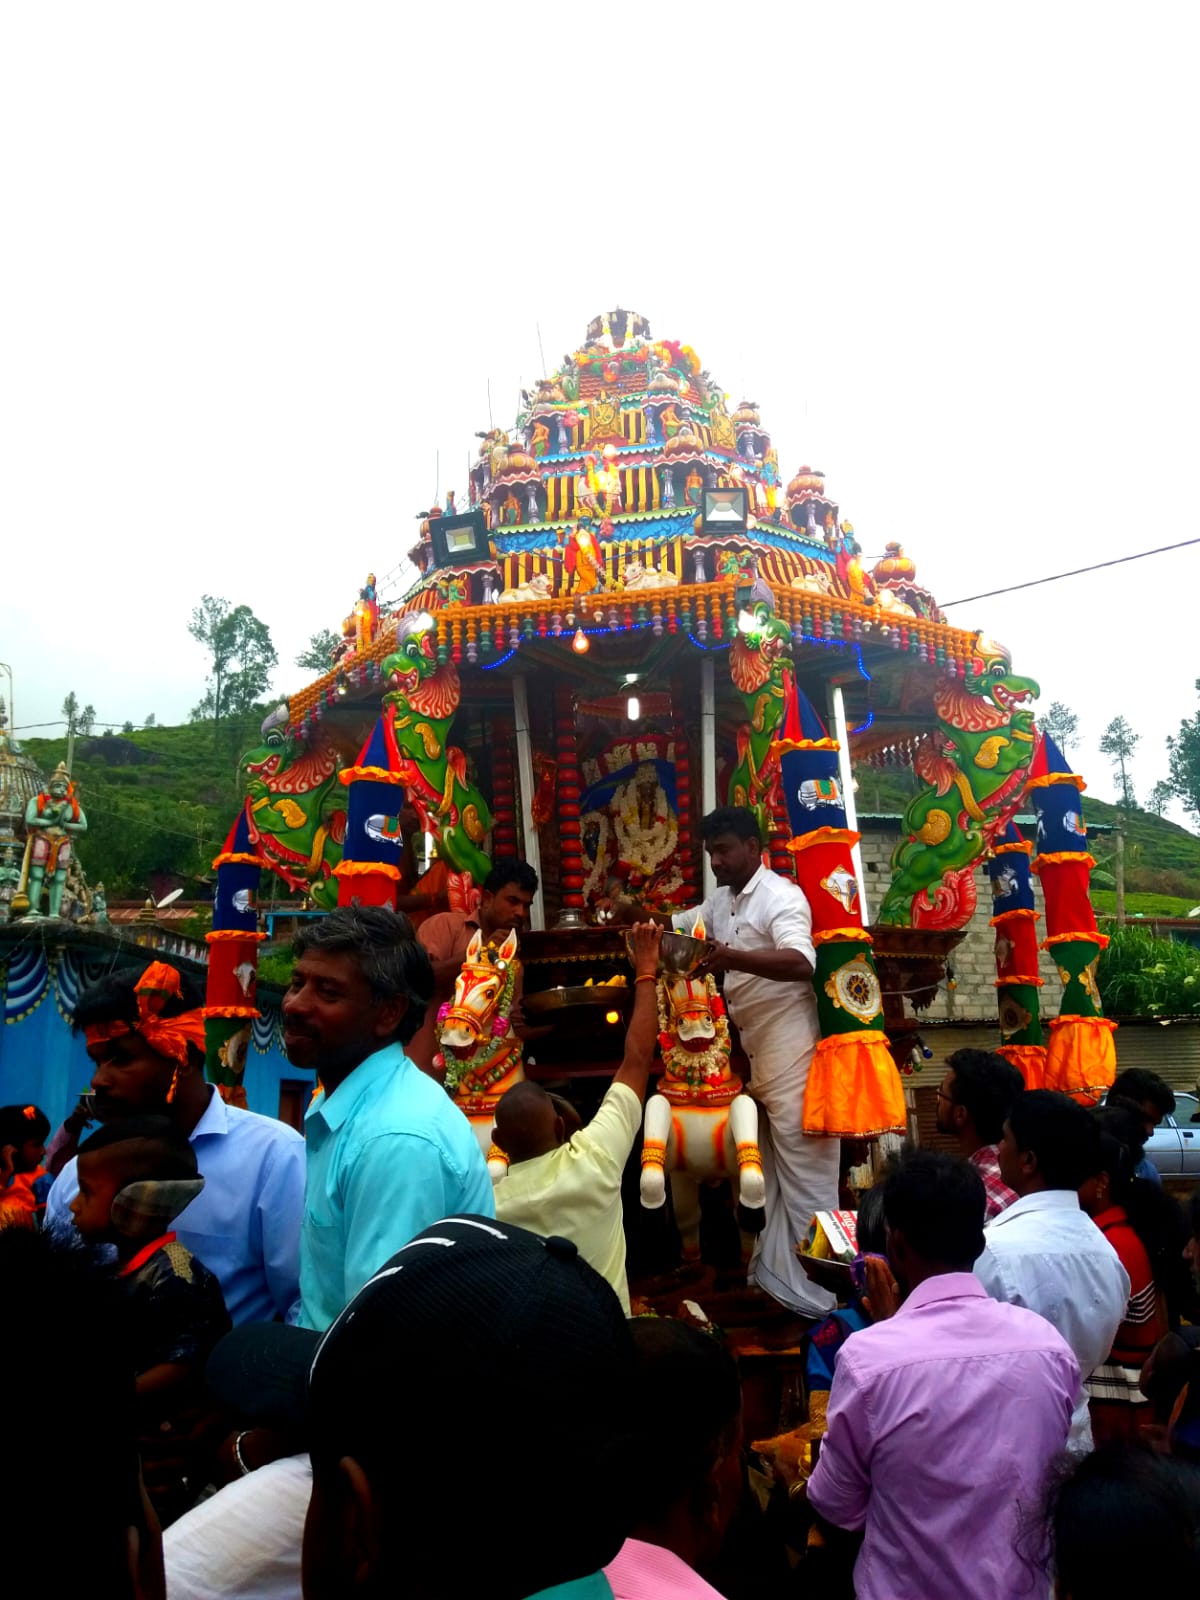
point(1119, 871)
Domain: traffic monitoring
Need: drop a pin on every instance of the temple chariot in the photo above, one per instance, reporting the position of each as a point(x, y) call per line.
point(604, 632)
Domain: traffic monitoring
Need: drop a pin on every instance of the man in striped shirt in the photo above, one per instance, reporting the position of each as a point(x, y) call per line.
point(974, 1100)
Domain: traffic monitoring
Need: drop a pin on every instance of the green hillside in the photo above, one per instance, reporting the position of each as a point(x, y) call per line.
point(160, 802)
point(1162, 860)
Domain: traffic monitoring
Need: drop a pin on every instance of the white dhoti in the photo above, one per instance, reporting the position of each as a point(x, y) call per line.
point(777, 1023)
point(800, 1173)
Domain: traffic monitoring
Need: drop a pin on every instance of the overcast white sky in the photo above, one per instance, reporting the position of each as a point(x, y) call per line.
point(260, 262)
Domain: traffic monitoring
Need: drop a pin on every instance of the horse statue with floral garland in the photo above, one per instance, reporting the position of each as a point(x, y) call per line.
point(477, 1046)
point(700, 1127)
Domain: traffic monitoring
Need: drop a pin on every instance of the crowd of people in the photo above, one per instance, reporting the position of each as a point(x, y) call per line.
point(350, 1364)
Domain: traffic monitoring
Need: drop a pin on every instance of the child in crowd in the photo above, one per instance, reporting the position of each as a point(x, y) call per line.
point(135, 1176)
point(23, 1134)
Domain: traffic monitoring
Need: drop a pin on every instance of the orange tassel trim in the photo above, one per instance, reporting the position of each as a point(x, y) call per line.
point(1013, 915)
point(1020, 847)
point(1058, 856)
point(823, 836)
point(1081, 1058)
point(220, 935)
point(231, 1011)
point(367, 869)
point(785, 747)
point(832, 935)
point(236, 858)
point(853, 1090)
point(1029, 1060)
point(1082, 937)
point(1036, 983)
point(1049, 779)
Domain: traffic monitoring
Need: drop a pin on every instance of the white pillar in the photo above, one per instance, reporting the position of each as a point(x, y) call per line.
point(533, 848)
point(708, 759)
point(837, 707)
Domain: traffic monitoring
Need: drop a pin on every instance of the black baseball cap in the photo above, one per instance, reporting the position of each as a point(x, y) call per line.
point(482, 1346)
point(469, 1295)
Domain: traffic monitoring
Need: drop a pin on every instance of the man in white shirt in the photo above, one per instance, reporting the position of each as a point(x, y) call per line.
point(763, 929)
point(1046, 1254)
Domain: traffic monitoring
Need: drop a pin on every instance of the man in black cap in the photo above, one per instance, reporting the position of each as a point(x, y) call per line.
point(477, 1340)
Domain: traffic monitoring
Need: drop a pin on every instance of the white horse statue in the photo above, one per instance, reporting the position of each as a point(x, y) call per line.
point(700, 1127)
point(478, 1048)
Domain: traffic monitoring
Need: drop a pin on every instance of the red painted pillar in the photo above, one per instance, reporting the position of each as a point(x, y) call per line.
point(569, 792)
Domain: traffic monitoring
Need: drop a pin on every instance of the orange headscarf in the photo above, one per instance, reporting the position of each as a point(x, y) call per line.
point(166, 1036)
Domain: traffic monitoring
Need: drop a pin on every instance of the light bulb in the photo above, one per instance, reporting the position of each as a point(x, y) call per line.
point(581, 644)
point(633, 709)
point(612, 1016)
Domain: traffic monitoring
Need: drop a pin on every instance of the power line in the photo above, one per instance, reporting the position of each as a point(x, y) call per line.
point(1074, 573)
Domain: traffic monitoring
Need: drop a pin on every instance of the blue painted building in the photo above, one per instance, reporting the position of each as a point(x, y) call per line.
point(44, 966)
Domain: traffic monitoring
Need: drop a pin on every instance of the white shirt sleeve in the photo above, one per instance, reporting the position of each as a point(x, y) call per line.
point(63, 1190)
point(790, 925)
point(243, 1543)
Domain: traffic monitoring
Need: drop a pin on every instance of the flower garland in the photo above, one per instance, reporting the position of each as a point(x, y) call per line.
point(703, 1070)
point(491, 1056)
point(644, 850)
point(595, 881)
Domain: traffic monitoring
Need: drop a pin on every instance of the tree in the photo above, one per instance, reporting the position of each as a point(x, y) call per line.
point(78, 720)
point(149, 722)
point(242, 658)
point(1118, 741)
point(1160, 798)
point(1184, 752)
point(127, 726)
point(1061, 723)
point(318, 654)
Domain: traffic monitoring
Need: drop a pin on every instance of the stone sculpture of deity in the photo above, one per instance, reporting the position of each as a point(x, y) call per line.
point(52, 818)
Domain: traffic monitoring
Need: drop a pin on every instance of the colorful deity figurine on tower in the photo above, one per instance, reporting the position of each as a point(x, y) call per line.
point(52, 820)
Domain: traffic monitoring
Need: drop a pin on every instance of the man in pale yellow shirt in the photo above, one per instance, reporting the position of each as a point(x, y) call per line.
point(571, 1185)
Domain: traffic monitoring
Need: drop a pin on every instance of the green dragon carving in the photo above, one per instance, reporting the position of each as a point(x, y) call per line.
point(757, 662)
point(296, 808)
point(421, 700)
point(976, 765)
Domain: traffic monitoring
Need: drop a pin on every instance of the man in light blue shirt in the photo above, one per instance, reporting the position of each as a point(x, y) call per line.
point(245, 1225)
point(388, 1152)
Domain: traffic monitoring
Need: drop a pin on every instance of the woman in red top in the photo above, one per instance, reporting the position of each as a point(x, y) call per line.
point(1117, 1203)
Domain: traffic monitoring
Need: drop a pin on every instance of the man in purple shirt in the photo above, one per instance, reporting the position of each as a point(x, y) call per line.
point(923, 1463)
